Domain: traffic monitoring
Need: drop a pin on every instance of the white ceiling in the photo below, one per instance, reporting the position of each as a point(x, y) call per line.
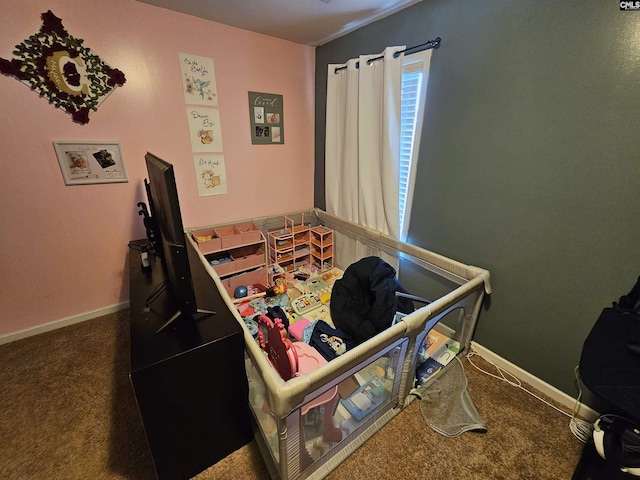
point(308, 22)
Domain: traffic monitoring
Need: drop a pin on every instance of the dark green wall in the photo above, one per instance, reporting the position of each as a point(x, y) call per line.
point(529, 161)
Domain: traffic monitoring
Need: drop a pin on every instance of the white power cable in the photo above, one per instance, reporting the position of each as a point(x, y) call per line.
point(581, 429)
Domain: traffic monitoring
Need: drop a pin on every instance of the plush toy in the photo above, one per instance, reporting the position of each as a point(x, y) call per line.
point(278, 289)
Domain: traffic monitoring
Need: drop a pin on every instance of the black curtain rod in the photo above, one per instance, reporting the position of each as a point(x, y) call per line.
point(415, 49)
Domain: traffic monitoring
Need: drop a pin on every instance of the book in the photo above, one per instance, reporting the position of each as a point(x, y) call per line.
point(429, 369)
point(439, 358)
point(446, 352)
point(433, 342)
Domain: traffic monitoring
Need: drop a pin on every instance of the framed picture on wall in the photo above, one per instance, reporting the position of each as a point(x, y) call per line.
point(84, 163)
point(266, 112)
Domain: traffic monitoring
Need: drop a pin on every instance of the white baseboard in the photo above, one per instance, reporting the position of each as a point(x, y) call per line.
point(584, 412)
point(64, 322)
point(550, 391)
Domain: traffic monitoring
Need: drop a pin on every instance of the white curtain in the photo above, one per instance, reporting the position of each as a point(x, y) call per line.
point(363, 140)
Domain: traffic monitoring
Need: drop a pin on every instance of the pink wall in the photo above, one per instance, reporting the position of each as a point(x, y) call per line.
point(64, 248)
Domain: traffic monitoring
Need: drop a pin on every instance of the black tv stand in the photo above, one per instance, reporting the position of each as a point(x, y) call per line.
point(189, 381)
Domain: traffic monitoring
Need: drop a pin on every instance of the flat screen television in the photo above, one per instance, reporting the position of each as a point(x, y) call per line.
point(165, 210)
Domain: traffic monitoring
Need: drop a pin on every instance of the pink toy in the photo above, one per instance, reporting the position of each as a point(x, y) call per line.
point(273, 339)
point(297, 358)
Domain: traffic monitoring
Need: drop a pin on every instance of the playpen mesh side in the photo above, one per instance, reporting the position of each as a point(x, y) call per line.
point(314, 466)
point(444, 266)
point(327, 464)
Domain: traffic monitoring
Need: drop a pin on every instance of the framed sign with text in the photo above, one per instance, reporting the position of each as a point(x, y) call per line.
point(267, 122)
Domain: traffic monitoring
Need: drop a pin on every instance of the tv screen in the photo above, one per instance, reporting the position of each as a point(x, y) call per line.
point(165, 209)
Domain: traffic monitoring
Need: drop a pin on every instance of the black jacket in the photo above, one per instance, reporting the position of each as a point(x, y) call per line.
point(363, 302)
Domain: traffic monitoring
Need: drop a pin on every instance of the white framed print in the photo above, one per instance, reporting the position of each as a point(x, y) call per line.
point(83, 163)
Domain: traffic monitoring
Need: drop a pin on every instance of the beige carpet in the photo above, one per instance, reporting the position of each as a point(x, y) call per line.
point(67, 412)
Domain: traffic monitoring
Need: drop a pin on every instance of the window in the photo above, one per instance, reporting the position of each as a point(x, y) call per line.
point(414, 82)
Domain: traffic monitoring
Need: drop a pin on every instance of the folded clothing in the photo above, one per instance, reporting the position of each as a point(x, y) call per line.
point(330, 342)
point(296, 329)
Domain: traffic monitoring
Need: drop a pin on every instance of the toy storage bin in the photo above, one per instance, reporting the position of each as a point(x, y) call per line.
point(207, 240)
point(229, 236)
point(222, 262)
point(249, 231)
point(252, 277)
point(249, 257)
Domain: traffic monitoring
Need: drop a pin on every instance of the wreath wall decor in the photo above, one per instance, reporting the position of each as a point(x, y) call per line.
point(60, 68)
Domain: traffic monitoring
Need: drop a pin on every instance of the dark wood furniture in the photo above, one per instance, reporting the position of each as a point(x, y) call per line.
point(189, 380)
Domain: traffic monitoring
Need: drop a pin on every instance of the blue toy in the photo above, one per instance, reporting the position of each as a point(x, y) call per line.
point(240, 292)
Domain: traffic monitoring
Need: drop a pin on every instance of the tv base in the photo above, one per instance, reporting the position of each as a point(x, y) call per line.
point(179, 314)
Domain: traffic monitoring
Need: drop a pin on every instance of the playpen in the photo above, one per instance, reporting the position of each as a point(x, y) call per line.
point(307, 425)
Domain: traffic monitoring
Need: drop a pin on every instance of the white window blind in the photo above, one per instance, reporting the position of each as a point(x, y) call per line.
point(411, 112)
point(408, 111)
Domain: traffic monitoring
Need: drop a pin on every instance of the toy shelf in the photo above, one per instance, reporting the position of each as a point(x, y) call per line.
point(298, 246)
point(321, 244)
point(225, 237)
point(236, 252)
point(289, 246)
point(237, 260)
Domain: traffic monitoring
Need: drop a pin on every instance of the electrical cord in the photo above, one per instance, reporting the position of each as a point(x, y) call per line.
point(157, 291)
point(581, 429)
